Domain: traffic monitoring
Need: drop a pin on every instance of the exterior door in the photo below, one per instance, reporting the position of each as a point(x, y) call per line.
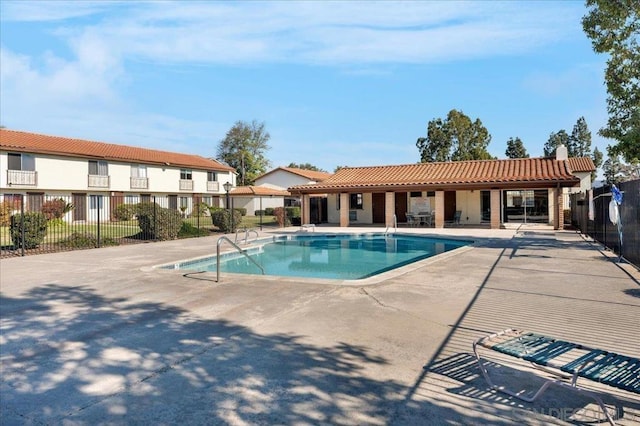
point(378, 205)
point(449, 205)
point(401, 206)
point(79, 207)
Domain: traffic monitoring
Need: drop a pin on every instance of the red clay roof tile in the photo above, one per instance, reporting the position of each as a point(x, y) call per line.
point(56, 145)
point(545, 171)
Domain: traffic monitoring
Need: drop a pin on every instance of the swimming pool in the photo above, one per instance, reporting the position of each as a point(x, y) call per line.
point(342, 256)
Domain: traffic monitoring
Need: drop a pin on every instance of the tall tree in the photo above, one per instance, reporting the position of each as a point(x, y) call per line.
point(516, 149)
point(597, 161)
point(558, 138)
point(455, 139)
point(612, 170)
point(305, 166)
point(580, 139)
point(243, 148)
point(614, 29)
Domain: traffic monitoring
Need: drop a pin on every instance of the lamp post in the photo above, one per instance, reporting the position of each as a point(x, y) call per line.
point(227, 187)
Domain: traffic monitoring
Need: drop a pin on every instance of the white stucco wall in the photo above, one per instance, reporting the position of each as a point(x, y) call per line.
point(468, 202)
point(282, 179)
point(56, 173)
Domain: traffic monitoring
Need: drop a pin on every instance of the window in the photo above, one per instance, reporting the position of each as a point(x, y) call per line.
point(95, 202)
point(138, 171)
point(416, 194)
point(212, 177)
point(25, 162)
point(98, 168)
point(207, 200)
point(431, 193)
point(185, 174)
point(356, 201)
point(184, 202)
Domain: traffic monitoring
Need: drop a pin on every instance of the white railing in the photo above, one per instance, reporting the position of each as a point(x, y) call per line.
point(213, 186)
point(139, 183)
point(186, 185)
point(22, 177)
point(98, 181)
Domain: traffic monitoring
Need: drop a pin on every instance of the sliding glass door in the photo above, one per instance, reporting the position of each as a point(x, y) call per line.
point(526, 206)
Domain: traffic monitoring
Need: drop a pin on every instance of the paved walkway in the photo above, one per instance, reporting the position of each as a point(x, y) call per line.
point(99, 337)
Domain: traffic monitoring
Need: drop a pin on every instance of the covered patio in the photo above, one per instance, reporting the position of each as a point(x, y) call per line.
point(476, 193)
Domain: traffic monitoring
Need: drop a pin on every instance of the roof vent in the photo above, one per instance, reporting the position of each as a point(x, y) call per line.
point(561, 153)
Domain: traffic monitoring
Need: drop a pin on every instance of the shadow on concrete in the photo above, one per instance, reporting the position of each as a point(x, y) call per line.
point(72, 355)
point(461, 367)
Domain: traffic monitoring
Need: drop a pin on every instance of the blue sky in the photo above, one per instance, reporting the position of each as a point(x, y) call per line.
point(336, 83)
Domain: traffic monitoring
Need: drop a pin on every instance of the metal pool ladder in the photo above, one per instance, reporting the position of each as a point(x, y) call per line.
point(395, 226)
point(246, 234)
point(220, 240)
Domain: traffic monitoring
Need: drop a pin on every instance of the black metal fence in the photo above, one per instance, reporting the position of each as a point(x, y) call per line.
point(38, 223)
point(600, 227)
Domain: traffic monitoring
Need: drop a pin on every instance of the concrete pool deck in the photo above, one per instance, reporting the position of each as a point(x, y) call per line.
point(99, 337)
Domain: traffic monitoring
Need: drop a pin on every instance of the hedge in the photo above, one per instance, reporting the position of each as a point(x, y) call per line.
point(35, 229)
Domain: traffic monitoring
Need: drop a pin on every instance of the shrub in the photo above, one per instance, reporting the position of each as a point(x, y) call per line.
point(268, 211)
point(187, 230)
point(222, 219)
point(292, 212)
point(147, 208)
point(6, 209)
point(259, 213)
point(56, 209)
point(200, 209)
point(125, 211)
point(159, 223)
point(242, 210)
point(281, 216)
point(35, 229)
point(80, 240)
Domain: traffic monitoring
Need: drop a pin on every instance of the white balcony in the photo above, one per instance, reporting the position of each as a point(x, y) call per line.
point(213, 186)
point(98, 181)
point(22, 178)
point(139, 183)
point(186, 185)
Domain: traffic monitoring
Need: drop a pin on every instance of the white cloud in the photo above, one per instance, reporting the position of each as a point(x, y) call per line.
point(334, 33)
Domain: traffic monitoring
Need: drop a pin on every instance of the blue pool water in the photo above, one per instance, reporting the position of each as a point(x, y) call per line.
point(329, 256)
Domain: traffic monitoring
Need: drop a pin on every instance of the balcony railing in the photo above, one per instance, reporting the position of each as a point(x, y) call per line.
point(186, 185)
point(22, 178)
point(139, 183)
point(213, 186)
point(98, 181)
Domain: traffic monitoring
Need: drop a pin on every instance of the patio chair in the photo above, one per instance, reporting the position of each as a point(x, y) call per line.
point(412, 220)
point(456, 217)
point(566, 361)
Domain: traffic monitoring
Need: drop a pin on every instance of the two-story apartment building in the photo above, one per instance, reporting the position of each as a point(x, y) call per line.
point(95, 175)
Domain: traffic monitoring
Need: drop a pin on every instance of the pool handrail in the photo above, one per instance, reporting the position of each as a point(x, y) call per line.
point(246, 234)
point(395, 225)
point(220, 241)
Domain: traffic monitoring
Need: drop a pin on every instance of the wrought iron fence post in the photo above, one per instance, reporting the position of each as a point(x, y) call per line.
point(155, 219)
point(22, 230)
point(98, 228)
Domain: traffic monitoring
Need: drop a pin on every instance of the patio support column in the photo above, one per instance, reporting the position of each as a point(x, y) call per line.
point(439, 209)
point(558, 212)
point(389, 207)
point(344, 209)
point(495, 209)
point(306, 209)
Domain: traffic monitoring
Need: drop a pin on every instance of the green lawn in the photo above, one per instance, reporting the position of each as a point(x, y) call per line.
point(129, 228)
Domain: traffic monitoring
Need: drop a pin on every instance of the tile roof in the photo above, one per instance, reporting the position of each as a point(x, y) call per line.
point(581, 164)
point(57, 145)
point(258, 190)
point(544, 172)
point(309, 174)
